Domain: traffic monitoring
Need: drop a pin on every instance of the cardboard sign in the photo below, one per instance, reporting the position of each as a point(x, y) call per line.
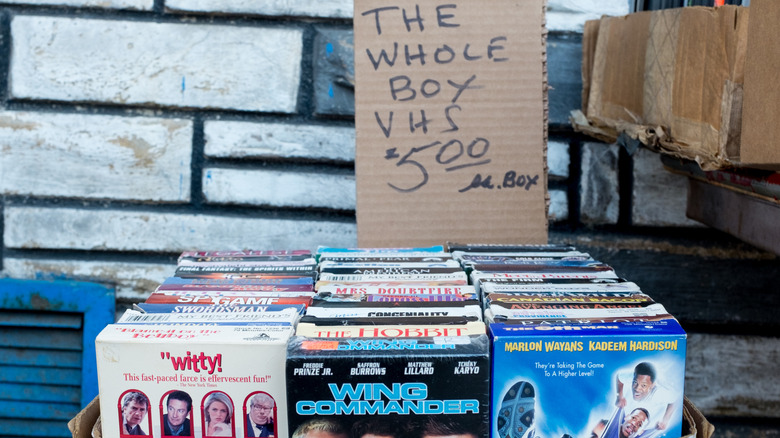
point(450, 118)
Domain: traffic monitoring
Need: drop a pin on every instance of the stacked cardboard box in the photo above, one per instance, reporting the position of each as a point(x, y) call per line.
point(697, 83)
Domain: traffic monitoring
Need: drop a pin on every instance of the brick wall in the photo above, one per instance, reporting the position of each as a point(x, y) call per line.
point(132, 130)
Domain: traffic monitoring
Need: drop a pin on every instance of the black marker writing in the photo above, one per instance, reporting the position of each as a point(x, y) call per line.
point(443, 17)
point(453, 152)
point(510, 180)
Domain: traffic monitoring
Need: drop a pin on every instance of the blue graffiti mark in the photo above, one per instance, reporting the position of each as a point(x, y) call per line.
point(330, 91)
point(329, 49)
point(183, 84)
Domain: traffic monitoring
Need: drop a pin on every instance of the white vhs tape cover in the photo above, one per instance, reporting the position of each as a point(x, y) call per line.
point(196, 381)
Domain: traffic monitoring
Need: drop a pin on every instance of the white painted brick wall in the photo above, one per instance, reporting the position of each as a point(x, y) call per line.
point(599, 195)
point(145, 63)
point(660, 197)
point(309, 8)
point(571, 15)
point(119, 230)
point(231, 139)
point(89, 156)
point(145, 5)
point(70, 57)
point(562, 15)
point(132, 281)
point(558, 159)
point(559, 206)
point(279, 188)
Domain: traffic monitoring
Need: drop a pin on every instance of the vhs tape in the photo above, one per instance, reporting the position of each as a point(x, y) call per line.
point(617, 380)
point(390, 331)
point(396, 290)
point(404, 385)
point(157, 380)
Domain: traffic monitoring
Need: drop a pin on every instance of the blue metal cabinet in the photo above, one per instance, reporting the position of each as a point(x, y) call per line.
point(48, 371)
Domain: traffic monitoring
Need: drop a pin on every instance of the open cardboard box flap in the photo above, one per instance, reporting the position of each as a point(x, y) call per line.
point(694, 82)
point(694, 422)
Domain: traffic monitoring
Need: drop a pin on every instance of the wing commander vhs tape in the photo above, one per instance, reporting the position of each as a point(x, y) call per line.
point(406, 387)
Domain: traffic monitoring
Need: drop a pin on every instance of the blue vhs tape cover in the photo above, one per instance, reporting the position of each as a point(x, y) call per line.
point(401, 387)
point(603, 380)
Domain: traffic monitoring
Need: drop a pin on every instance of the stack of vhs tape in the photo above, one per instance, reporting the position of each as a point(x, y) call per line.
point(240, 277)
point(393, 344)
point(205, 354)
point(577, 350)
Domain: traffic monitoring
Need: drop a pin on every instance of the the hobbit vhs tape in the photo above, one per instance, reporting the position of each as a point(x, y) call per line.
point(409, 386)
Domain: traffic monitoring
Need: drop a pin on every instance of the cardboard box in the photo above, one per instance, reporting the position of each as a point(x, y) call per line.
point(761, 101)
point(395, 386)
point(558, 380)
point(694, 82)
point(229, 363)
point(695, 425)
point(450, 115)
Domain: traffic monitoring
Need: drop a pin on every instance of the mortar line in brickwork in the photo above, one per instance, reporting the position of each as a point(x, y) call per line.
point(575, 174)
point(164, 112)
point(158, 13)
point(625, 188)
point(2, 231)
point(204, 208)
point(196, 172)
point(86, 255)
point(305, 102)
point(5, 55)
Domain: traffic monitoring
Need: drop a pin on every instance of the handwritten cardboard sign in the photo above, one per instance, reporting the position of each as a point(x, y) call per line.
point(450, 122)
